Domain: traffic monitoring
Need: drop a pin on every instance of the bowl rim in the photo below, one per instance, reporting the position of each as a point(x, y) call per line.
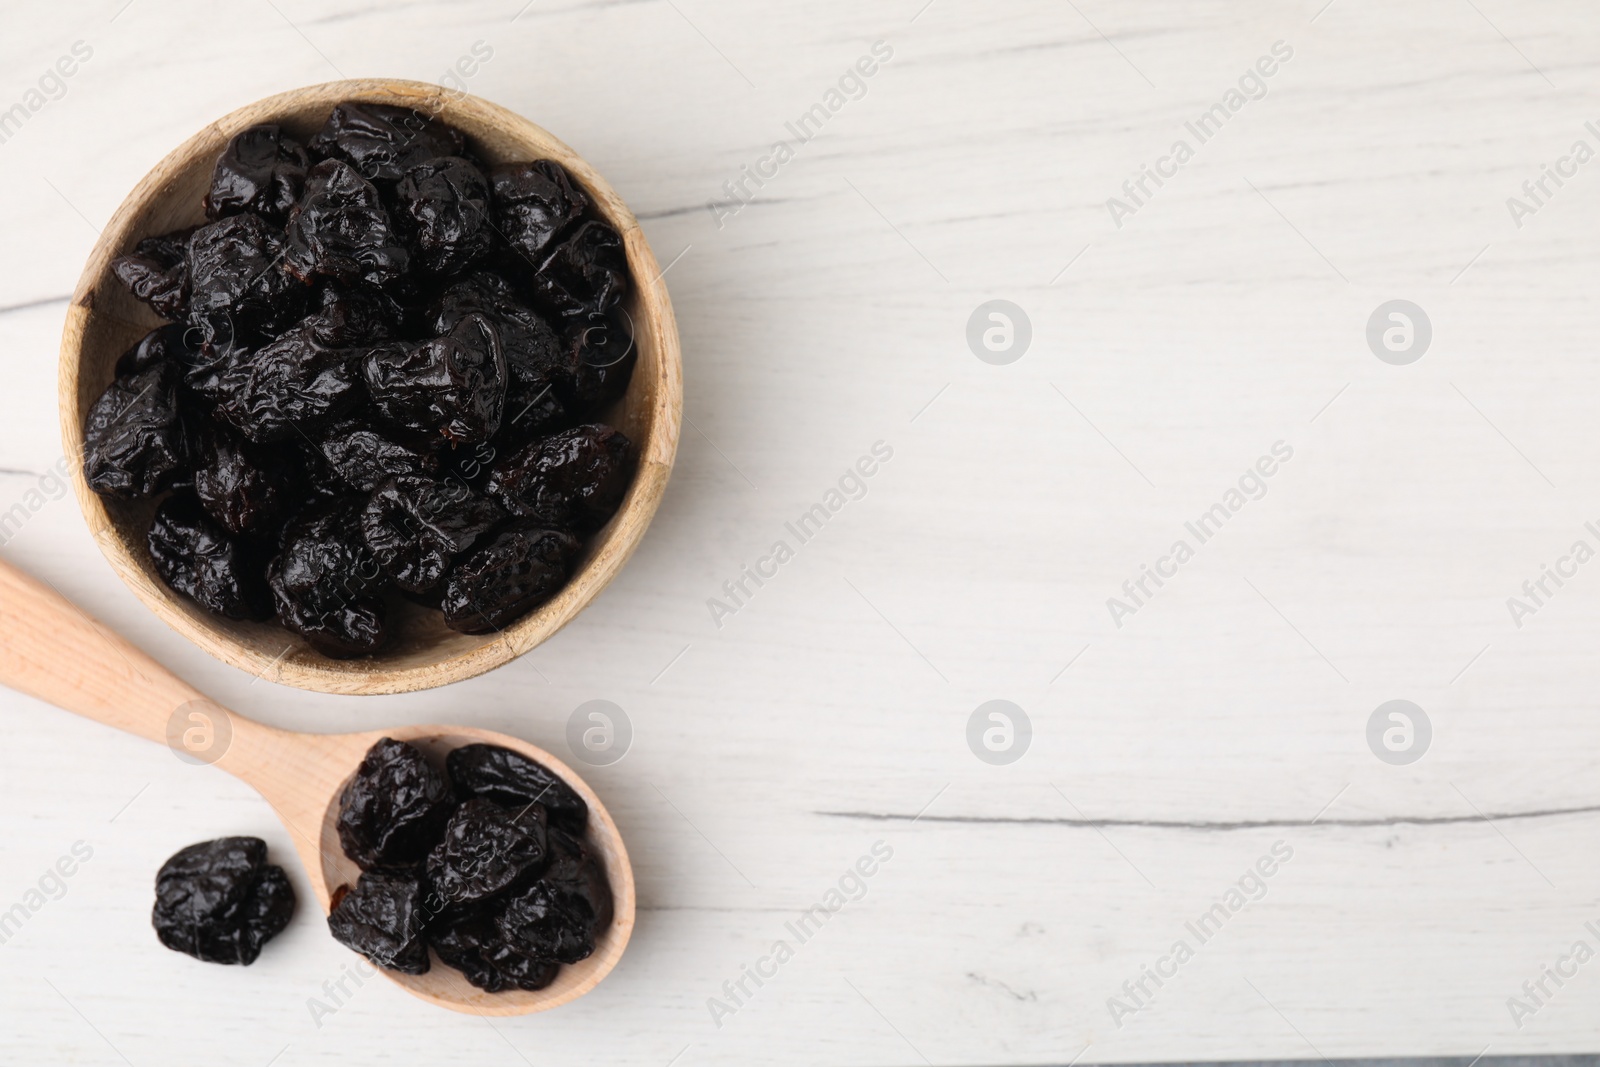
point(607, 551)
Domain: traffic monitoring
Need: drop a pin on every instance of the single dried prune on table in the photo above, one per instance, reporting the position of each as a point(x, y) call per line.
point(453, 386)
point(514, 781)
point(394, 809)
point(220, 901)
point(363, 457)
point(134, 440)
point(327, 585)
point(350, 317)
point(416, 526)
point(383, 142)
point(524, 566)
point(442, 207)
point(603, 348)
point(197, 558)
point(470, 942)
point(237, 286)
point(573, 480)
point(384, 919)
point(156, 272)
point(559, 916)
point(261, 170)
point(585, 275)
point(340, 231)
point(247, 488)
point(289, 389)
point(486, 849)
point(534, 204)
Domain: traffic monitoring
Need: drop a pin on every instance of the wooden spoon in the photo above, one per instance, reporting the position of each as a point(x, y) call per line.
point(52, 650)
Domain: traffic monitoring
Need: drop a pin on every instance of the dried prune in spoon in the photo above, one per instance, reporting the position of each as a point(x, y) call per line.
point(470, 942)
point(559, 916)
point(534, 204)
point(452, 387)
point(416, 526)
point(574, 480)
point(156, 272)
point(394, 809)
point(442, 207)
point(524, 566)
point(197, 558)
point(262, 170)
point(134, 439)
point(381, 141)
point(384, 919)
point(514, 781)
point(339, 230)
point(486, 849)
point(220, 901)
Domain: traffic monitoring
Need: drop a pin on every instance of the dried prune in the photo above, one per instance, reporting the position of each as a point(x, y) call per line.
point(326, 584)
point(534, 204)
point(162, 343)
point(514, 781)
point(524, 566)
point(291, 388)
point(220, 901)
point(560, 915)
point(417, 525)
point(261, 170)
point(134, 441)
point(383, 142)
point(586, 274)
point(605, 353)
point(487, 849)
point(394, 809)
point(574, 480)
point(352, 317)
point(453, 386)
point(384, 919)
point(237, 286)
point(471, 943)
point(247, 488)
point(156, 272)
point(442, 207)
point(340, 231)
point(363, 457)
point(197, 558)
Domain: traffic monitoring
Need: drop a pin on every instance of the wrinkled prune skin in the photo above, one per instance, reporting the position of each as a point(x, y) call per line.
point(559, 916)
point(363, 457)
point(197, 558)
point(442, 208)
point(326, 584)
point(156, 272)
point(472, 944)
point(585, 275)
point(289, 389)
point(452, 387)
point(162, 343)
point(353, 317)
point(134, 438)
point(237, 286)
point(220, 901)
point(395, 808)
point(524, 566)
point(247, 488)
point(574, 480)
point(514, 781)
point(383, 142)
point(487, 849)
point(384, 918)
point(534, 204)
point(417, 525)
point(604, 351)
point(339, 230)
point(262, 171)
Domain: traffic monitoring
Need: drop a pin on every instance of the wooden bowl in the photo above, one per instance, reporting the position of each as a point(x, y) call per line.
point(104, 320)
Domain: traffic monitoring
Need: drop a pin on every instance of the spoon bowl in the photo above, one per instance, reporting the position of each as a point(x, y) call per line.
point(51, 650)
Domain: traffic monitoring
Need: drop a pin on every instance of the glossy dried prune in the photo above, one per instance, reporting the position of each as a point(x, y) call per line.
point(442, 207)
point(156, 272)
point(383, 142)
point(289, 389)
point(574, 480)
point(326, 582)
point(452, 387)
point(395, 808)
point(220, 901)
point(487, 849)
point(247, 488)
point(605, 353)
point(585, 275)
point(236, 280)
point(514, 781)
point(262, 170)
point(534, 204)
point(162, 343)
point(524, 566)
point(350, 317)
point(340, 231)
point(363, 457)
point(197, 558)
point(134, 443)
point(417, 525)
point(472, 944)
point(561, 914)
point(384, 919)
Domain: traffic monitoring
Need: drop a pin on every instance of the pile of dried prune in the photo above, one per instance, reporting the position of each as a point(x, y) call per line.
point(487, 865)
point(220, 901)
point(380, 381)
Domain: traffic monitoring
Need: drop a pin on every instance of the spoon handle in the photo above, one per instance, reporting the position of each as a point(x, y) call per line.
point(51, 649)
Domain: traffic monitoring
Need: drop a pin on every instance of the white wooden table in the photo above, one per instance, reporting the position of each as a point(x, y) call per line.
point(1226, 714)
